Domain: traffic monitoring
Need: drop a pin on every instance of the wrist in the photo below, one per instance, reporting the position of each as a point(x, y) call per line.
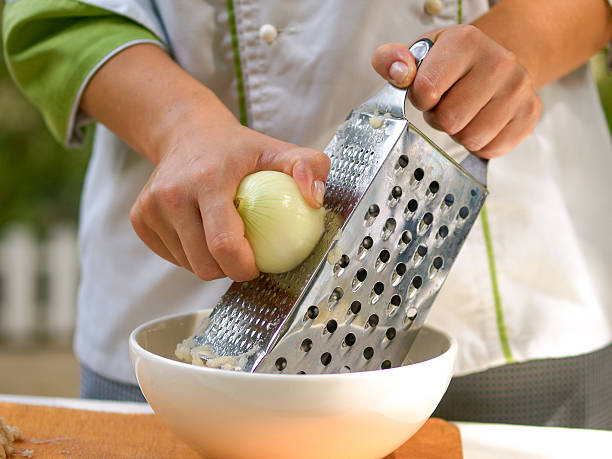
point(148, 101)
point(186, 116)
point(495, 26)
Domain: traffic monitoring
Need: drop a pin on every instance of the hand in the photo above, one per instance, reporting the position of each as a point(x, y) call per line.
point(185, 212)
point(468, 86)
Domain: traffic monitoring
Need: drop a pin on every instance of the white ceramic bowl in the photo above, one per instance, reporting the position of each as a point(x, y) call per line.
point(225, 414)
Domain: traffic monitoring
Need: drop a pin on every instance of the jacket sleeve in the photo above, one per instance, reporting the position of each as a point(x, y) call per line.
point(54, 47)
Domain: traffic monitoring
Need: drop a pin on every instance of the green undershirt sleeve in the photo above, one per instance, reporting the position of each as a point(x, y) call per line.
point(53, 48)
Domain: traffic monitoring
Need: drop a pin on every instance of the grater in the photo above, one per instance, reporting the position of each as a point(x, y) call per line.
point(398, 210)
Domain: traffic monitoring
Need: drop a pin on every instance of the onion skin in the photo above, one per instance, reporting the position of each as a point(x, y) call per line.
point(280, 226)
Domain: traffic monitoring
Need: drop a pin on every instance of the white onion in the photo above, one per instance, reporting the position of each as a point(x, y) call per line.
point(280, 226)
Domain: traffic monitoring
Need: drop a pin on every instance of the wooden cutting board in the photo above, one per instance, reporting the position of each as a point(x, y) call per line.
point(67, 433)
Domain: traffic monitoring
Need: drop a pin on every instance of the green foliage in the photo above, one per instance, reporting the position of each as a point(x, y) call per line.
point(40, 181)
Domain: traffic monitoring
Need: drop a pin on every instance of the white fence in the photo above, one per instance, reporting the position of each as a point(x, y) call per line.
point(38, 284)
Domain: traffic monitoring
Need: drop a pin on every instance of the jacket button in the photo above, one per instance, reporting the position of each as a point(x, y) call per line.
point(268, 33)
point(433, 7)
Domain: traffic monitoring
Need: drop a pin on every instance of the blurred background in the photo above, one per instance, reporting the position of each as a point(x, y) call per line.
point(40, 186)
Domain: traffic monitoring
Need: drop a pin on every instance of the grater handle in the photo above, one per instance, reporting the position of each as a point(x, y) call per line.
point(473, 164)
point(391, 99)
point(420, 49)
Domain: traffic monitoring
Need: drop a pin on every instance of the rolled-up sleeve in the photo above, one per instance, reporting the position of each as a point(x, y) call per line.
point(54, 47)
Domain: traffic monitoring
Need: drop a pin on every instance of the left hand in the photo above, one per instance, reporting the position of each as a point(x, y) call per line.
point(468, 86)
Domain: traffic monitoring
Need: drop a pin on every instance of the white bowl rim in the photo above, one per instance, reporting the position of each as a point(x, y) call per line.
point(133, 343)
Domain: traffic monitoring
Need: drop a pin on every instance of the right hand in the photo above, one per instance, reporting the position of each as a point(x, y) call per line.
point(185, 212)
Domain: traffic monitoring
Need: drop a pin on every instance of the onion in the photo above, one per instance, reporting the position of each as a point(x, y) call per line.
point(280, 226)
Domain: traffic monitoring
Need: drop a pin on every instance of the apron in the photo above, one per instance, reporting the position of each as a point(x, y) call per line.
point(532, 279)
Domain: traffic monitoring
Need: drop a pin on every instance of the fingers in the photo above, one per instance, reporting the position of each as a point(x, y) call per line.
point(446, 63)
point(225, 237)
point(472, 88)
point(513, 133)
point(151, 224)
point(460, 105)
point(166, 220)
point(395, 63)
point(190, 229)
point(309, 168)
point(150, 237)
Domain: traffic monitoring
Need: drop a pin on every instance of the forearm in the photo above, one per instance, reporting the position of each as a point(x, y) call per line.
point(142, 95)
point(549, 38)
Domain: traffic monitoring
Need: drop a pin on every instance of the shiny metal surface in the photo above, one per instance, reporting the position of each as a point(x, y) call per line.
point(398, 212)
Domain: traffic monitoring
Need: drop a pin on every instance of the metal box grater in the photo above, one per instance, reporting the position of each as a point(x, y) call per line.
point(398, 212)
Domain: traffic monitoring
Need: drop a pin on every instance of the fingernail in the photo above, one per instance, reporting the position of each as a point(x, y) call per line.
point(318, 190)
point(398, 72)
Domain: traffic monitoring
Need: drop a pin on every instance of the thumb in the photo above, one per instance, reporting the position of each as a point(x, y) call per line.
point(309, 168)
point(395, 63)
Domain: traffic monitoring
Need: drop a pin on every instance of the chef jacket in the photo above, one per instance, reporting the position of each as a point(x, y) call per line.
point(533, 278)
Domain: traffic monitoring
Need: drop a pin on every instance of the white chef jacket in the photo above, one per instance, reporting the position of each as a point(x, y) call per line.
point(548, 208)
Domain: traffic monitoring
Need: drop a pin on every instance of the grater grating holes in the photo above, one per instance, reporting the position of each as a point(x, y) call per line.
point(360, 277)
point(426, 222)
point(448, 201)
point(404, 240)
point(366, 245)
point(410, 316)
point(463, 213)
point(410, 209)
point(394, 304)
point(371, 214)
point(442, 232)
point(312, 313)
point(385, 365)
point(349, 340)
point(419, 255)
point(401, 164)
point(331, 326)
point(398, 274)
point(416, 283)
point(389, 228)
point(281, 363)
point(306, 345)
point(394, 197)
point(355, 307)
point(417, 176)
point(382, 260)
point(373, 320)
point(340, 266)
point(368, 353)
point(377, 290)
point(335, 296)
point(435, 267)
point(326, 358)
point(391, 333)
point(433, 188)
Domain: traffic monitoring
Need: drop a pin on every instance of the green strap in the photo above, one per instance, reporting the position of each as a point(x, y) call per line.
point(484, 218)
point(499, 313)
point(237, 64)
point(603, 78)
